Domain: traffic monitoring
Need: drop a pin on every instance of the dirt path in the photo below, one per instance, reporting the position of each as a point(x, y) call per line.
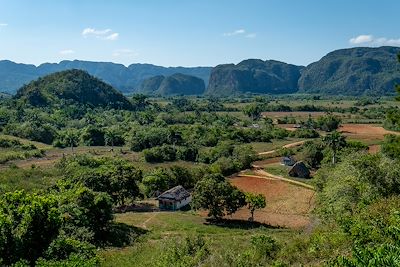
point(295, 144)
point(265, 174)
point(269, 176)
point(144, 224)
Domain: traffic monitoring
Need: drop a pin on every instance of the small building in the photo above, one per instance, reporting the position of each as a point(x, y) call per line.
point(299, 170)
point(174, 198)
point(288, 161)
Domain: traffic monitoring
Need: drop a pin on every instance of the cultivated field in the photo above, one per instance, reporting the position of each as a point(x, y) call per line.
point(368, 133)
point(287, 205)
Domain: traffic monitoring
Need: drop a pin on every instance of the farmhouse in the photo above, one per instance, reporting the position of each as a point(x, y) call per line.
point(288, 161)
point(299, 170)
point(174, 198)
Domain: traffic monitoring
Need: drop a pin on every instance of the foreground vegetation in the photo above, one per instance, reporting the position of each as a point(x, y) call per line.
point(65, 213)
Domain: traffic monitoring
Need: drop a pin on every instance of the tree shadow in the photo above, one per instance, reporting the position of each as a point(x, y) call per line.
point(138, 207)
point(121, 235)
point(239, 224)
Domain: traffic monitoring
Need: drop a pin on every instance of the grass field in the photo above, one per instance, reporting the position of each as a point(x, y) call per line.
point(174, 226)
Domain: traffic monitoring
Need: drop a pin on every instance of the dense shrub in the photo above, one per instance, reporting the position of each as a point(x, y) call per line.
point(160, 153)
point(391, 146)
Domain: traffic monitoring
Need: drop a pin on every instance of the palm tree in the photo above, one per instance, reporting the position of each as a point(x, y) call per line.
point(72, 139)
point(110, 137)
point(335, 141)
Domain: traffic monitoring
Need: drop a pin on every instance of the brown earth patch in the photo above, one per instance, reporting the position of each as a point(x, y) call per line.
point(365, 132)
point(287, 205)
point(373, 149)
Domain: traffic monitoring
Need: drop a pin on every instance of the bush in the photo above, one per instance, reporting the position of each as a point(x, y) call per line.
point(28, 224)
point(160, 154)
point(328, 123)
point(391, 146)
point(190, 252)
point(305, 133)
point(187, 153)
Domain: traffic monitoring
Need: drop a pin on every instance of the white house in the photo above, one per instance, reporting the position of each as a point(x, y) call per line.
point(174, 198)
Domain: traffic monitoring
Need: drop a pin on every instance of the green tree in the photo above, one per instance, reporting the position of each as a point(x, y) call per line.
point(112, 137)
point(312, 154)
point(28, 224)
point(157, 180)
point(217, 196)
point(255, 201)
point(334, 141)
point(391, 146)
point(253, 111)
point(328, 122)
point(82, 208)
point(93, 136)
point(71, 139)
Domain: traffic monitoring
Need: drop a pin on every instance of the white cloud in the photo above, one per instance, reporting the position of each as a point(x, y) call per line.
point(237, 32)
point(370, 40)
point(361, 39)
point(240, 32)
point(106, 34)
point(3, 24)
point(113, 36)
point(124, 53)
point(67, 52)
point(385, 41)
point(251, 35)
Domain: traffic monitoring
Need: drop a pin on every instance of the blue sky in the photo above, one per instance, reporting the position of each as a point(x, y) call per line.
point(192, 33)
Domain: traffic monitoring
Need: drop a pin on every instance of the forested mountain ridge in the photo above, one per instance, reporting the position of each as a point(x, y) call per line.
point(72, 86)
point(125, 79)
point(254, 76)
point(176, 84)
point(353, 71)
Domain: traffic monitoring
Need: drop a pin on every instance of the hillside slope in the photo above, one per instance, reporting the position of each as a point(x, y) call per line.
point(254, 76)
point(354, 71)
point(71, 86)
point(176, 84)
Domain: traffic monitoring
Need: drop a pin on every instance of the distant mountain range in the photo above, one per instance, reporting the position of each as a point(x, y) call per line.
point(176, 84)
point(353, 71)
point(125, 79)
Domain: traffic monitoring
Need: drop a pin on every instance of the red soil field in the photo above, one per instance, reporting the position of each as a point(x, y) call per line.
point(287, 205)
point(364, 131)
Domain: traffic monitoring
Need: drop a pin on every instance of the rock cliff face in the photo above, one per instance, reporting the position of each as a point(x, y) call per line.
point(254, 76)
point(354, 71)
point(176, 84)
